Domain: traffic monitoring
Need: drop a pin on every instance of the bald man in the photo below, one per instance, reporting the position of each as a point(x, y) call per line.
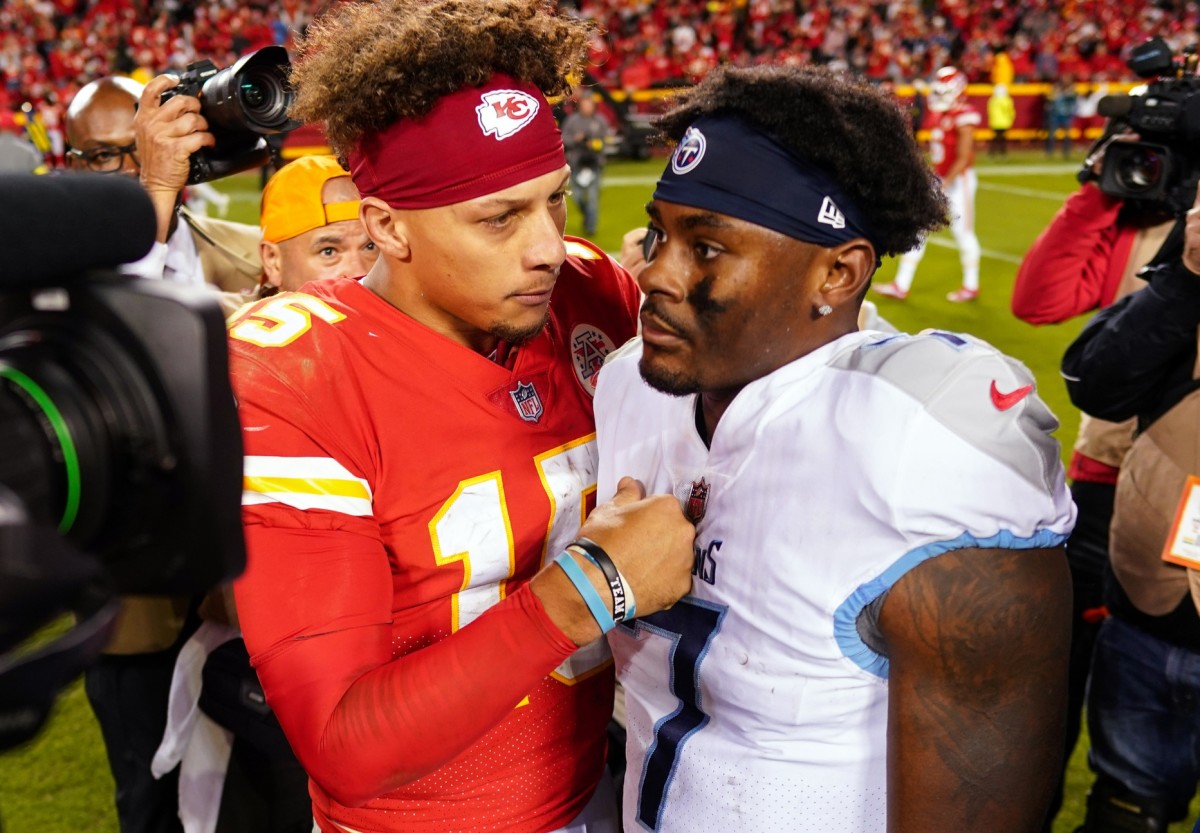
point(114, 125)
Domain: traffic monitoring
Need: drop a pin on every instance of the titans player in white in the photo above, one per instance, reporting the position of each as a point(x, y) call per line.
point(877, 633)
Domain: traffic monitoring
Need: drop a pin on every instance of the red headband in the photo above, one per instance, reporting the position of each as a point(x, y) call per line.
point(475, 141)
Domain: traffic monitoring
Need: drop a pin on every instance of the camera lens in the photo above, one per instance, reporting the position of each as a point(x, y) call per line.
point(1139, 170)
point(253, 94)
point(262, 95)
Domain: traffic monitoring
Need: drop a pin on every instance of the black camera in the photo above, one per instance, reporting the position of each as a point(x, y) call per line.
point(243, 103)
point(1163, 169)
point(120, 449)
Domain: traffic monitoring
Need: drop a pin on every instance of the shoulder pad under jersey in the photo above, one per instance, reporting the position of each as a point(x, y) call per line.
point(985, 397)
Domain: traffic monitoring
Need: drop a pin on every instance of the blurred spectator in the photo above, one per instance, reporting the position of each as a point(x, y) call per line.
point(1087, 116)
point(1002, 66)
point(585, 136)
point(46, 48)
point(1002, 112)
point(17, 156)
point(920, 106)
point(1061, 101)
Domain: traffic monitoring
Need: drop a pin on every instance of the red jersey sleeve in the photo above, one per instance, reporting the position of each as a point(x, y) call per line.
point(315, 605)
point(1076, 263)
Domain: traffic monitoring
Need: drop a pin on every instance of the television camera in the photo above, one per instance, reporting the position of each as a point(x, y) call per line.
point(121, 464)
point(1164, 167)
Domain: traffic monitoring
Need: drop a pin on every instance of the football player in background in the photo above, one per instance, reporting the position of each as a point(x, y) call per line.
point(951, 122)
point(877, 632)
point(420, 446)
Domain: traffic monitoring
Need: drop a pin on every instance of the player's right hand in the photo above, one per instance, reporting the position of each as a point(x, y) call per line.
point(650, 542)
point(168, 133)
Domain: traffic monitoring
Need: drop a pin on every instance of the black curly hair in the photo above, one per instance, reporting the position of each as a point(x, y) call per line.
point(365, 65)
point(854, 131)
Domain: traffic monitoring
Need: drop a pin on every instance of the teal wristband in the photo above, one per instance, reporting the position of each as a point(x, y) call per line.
point(584, 586)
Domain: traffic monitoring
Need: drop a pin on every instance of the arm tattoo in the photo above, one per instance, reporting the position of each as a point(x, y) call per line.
point(978, 642)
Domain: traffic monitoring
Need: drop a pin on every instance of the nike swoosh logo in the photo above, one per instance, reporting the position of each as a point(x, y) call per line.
point(1004, 401)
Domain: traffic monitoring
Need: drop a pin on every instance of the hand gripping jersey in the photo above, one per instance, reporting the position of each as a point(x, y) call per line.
point(943, 135)
point(400, 491)
point(754, 703)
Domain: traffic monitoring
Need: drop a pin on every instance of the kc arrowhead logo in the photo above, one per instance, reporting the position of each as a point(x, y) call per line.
point(504, 112)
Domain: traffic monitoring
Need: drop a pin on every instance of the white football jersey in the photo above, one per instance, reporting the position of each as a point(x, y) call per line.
point(754, 704)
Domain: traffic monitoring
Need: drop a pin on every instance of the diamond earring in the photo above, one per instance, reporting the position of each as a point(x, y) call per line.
point(824, 310)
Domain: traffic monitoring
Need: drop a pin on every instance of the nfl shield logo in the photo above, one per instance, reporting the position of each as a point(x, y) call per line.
point(529, 404)
point(697, 502)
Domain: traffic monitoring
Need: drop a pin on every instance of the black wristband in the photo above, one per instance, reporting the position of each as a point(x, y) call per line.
point(616, 583)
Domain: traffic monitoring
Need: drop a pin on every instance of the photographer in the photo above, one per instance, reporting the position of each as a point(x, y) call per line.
point(1137, 358)
point(116, 126)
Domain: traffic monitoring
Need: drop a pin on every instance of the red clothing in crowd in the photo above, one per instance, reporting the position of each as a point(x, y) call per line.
point(1075, 266)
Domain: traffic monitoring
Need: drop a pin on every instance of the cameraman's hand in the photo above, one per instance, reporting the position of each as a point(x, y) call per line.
point(167, 135)
point(650, 542)
point(633, 256)
point(1191, 237)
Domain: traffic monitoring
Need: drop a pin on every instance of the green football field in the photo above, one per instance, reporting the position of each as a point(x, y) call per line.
point(60, 782)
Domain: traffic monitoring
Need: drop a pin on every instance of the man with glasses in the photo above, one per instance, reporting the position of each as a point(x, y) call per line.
point(114, 125)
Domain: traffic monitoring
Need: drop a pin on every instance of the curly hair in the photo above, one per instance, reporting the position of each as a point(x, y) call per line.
point(365, 65)
point(854, 131)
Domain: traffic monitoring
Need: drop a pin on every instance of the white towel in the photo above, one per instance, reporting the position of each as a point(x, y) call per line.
point(193, 741)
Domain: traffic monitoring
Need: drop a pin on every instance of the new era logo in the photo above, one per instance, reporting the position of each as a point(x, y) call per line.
point(831, 215)
point(503, 112)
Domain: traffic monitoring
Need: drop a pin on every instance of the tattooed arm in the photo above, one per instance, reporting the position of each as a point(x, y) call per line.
point(977, 691)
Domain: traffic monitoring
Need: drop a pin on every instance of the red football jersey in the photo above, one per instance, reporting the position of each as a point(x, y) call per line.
point(400, 491)
point(943, 135)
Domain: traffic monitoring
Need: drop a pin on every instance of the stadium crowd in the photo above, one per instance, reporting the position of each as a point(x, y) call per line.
point(51, 48)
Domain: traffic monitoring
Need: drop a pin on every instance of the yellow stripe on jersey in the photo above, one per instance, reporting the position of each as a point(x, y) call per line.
point(296, 485)
point(305, 483)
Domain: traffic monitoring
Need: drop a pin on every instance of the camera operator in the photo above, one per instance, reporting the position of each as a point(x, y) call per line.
point(585, 133)
point(116, 126)
point(1137, 358)
point(1085, 259)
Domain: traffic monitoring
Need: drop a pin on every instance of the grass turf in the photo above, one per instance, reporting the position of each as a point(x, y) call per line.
point(60, 781)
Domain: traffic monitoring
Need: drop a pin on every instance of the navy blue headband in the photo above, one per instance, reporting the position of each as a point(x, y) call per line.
point(723, 164)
